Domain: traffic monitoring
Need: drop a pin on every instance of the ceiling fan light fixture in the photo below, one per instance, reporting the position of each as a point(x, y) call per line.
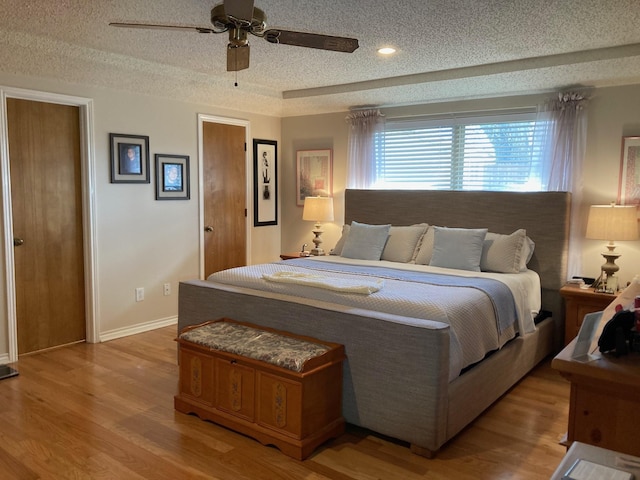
point(237, 57)
point(386, 51)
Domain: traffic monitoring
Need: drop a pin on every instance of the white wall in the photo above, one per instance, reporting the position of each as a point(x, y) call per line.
point(315, 132)
point(142, 242)
point(612, 113)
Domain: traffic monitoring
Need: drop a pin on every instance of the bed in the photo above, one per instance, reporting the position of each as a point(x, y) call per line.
point(408, 377)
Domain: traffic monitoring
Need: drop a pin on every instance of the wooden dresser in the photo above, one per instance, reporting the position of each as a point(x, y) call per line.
point(279, 388)
point(604, 407)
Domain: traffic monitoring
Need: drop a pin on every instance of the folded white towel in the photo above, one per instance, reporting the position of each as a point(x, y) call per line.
point(362, 286)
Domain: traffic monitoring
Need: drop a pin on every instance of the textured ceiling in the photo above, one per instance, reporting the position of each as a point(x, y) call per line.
point(447, 50)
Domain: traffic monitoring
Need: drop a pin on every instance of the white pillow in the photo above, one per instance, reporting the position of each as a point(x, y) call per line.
point(337, 250)
point(419, 244)
point(528, 248)
point(459, 248)
point(504, 253)
point(365, 242)
point(402, 243)
point(425, 250)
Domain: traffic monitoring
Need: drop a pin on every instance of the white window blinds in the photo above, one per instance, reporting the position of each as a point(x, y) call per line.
point(476, 152)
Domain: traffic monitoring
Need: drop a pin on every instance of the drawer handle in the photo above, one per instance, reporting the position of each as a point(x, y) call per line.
point(233, 362)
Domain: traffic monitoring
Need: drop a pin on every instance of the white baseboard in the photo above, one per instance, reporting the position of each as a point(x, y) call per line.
point(4, 358)
point(140, 328)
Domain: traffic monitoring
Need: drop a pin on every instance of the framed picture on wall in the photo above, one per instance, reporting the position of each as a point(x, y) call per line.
point(629, 185)
point(313, 174)
point(129, 158)
point(265, 182)
point(172, 177)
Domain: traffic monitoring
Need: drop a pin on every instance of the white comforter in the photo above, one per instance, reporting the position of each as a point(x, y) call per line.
point(468, 311)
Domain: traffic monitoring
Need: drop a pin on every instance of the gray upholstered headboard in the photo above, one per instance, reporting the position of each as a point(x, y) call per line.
point(545, 216)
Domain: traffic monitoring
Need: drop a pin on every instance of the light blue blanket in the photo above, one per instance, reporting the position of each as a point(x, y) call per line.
point(501, 297)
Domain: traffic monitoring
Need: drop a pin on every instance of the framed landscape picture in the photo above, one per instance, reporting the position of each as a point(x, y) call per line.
point(313, 174)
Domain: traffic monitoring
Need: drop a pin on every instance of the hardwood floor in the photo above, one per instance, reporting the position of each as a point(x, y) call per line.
point(105, 411)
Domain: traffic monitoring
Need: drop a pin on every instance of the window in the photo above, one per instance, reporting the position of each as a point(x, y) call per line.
point(481, 152)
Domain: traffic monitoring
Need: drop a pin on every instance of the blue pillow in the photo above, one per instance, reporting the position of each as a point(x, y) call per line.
point(365, 242)
point(459, 248)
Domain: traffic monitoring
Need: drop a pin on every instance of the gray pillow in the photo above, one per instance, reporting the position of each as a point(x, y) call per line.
point(459, 248)
point(365, 242)
point(402, 243)
point(504, 253)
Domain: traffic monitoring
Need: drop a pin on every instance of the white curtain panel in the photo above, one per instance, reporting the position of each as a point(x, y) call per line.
point(366, 127)
point(561, 126)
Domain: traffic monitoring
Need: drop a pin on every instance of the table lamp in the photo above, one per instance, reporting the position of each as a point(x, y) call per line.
point(318, 209)
point(611, 222)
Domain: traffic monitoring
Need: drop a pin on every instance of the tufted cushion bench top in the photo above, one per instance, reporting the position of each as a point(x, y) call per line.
point(258, 344)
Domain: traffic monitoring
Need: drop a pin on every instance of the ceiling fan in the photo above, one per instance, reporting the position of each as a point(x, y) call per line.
point(240, 18)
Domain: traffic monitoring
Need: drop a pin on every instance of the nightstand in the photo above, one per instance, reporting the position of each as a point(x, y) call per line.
point(290, 256)
point(579, 302)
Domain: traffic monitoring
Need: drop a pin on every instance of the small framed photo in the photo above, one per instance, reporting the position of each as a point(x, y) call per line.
point(265, 182)
point(313, 175)
point(629, 185)
point(129, 158)
point(172, 177)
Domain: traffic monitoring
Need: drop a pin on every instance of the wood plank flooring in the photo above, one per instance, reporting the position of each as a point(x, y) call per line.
point(105, 411)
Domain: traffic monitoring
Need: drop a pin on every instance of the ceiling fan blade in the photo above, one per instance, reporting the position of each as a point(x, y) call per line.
point(237, 57)
point(241, 10)
point(311, 40)
point(163, 27)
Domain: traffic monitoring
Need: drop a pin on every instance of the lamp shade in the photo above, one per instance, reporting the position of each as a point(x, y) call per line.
point(613, 222)
point(318, 209)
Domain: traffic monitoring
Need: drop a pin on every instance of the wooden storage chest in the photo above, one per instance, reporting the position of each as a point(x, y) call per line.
point(279, 388)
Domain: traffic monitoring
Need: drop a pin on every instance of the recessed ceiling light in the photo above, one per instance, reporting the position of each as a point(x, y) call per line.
point(386, 50)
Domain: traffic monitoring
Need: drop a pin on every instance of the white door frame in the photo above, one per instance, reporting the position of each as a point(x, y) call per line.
point(202, 118)
point(87, 152)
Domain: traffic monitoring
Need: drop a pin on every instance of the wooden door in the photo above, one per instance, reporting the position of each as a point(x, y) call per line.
point(46, 194)
point(224, 191)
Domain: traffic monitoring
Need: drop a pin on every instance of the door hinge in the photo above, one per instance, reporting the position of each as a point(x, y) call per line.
point(245, 212)
point(245, 146)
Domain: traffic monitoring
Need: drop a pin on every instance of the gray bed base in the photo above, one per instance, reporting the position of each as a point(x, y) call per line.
point(396, 372)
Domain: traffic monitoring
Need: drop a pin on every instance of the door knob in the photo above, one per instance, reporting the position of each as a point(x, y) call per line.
point(17, 241)
point(208, 228)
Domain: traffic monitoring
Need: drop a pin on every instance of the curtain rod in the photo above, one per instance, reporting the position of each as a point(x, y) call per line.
point(469, 113)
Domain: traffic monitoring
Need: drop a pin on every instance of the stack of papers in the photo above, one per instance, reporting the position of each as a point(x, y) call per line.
point(585, 470)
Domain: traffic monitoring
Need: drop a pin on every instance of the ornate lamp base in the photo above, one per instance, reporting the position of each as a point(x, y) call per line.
point(608, 281)
point(317, 231)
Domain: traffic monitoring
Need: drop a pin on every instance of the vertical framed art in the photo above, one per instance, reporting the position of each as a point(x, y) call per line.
point(629, 184)
point(172, 177)
point(129, 158)
point(265, 182)
point(313, 174)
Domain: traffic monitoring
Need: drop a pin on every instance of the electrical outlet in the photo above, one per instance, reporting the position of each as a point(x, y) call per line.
point(167, 289)
point(139, 294)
